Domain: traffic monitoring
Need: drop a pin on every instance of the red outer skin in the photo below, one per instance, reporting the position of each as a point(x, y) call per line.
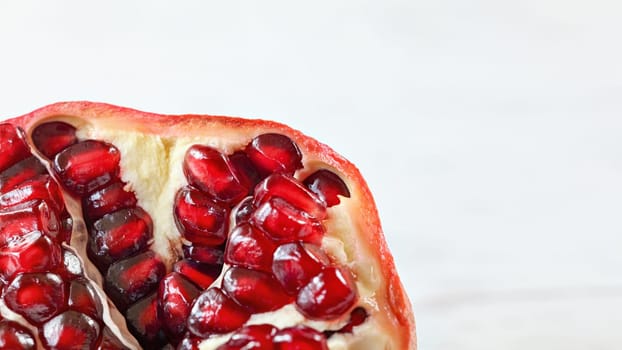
point(398, 308)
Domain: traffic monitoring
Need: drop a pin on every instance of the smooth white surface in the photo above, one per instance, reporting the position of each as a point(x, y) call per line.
point(489, 131)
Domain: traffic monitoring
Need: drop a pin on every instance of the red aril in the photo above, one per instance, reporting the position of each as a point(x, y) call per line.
point(284, 223)
point(36, 296)
point(291, 191)
point(143, 320)
point(294, 265)
point(328, 295)
point(24, 170)
point(70, 330)
point(204, 254)
point(12, 145)
point(53, 137)
point(257, 337)
point(214, 312)
point(203, 275)
point(299, 338)
point(200, 219)
point(175, 296)
point(272, 153)
point(15, 337)
point(249, 247)
point(83, 298)
point(327, 186)
point(108, 200)
point(256, 290)
point(32, 252)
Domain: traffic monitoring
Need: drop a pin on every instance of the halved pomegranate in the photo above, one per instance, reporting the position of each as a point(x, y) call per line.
point(128, 230)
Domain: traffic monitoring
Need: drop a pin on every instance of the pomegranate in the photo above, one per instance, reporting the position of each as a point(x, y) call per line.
point(128, 230)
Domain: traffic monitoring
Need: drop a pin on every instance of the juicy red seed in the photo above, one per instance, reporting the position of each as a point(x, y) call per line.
point(23, 171)
point(71, 330)
point(249, 247)
point(53, 137)
point(119, 235)
point(109, 199)
point(210, 171)
point(13, 147)
point(244, 169)
point(257, 291)
point(84, 298)
point(284, 223)
point(328, 186)
point(32, 252)
point(257, 337)
point(299, 338)
point(242, 212)
point(202, 275)
point(200, 219)
point(175, 297)
point(272, 153)
point(328, 295)
point(109, 341)
point(143, 321)
point(204, 254)
point(15, 337)
point(86, 166)
point(215, 312)
point(28, 217)
point(36, 296)
point(294, 264)
point(40, 188)
point(293, 192)
point(131, 279)
point(72, 265)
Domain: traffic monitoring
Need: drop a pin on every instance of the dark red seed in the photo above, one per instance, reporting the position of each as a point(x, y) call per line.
point(32, 252)
point(143, 321)
point(202, 275)
point(284, 223)
point(249, 247)
point(257, 337)
point(15, 337)
point(255, 290)
point(23, 171)
point(272, 153)
point(244, 169)
point(328, 186)
point(211, 172)
point(28, 217)
point(204, 254)
point(243, 211)
point(53, 137)
point(108, 200)
point(36, 296)
point(87, 166)
point(109, 341)
point(294, 264)
point(119, 235)
point(214, 312)
point(131, 279)
point(12, 145)
point(328, 295)
point(299, 338)
point(71, 330)
point(175, 297)
point(42, 187)
point(200, 219)
point(293, 192)
point(84, 298)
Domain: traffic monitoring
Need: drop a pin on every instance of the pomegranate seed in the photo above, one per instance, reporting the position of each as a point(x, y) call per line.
point(199, 219)
point(72, 264)
point(109, 199)
point(328, 295)
point(119, 235)
point(53, 137)
point(39, 188)
point(86, 166)
point(71, 330)
point(294, 264)
point(299, 338)
point(32, 252)
point(13, 147)
point(200, 274)
point(257, 337)
point(215, 312)
point(249, 247)
point(272, 153)
point(23, 171)
point(204, 254)
point(210, 171)
point(110, 342)
point(244, 169)
point(242, 212)
point(293, 192)
point(357, 317)
point(15, 337)
point(257, 291)
point(131, 279)
point(83, 298)
point(175, 296)
point(36, 296)
point(28, 217)
point(284, 223)
point(328, 186)
point(144, 323)
point(189, 343)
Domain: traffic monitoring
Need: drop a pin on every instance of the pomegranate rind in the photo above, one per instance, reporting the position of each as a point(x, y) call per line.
point(393, 311)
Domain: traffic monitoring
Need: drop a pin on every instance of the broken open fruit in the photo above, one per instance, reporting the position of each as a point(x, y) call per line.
point(126, 230)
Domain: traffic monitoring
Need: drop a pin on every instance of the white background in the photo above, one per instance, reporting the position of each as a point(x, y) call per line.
point(489, 131)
